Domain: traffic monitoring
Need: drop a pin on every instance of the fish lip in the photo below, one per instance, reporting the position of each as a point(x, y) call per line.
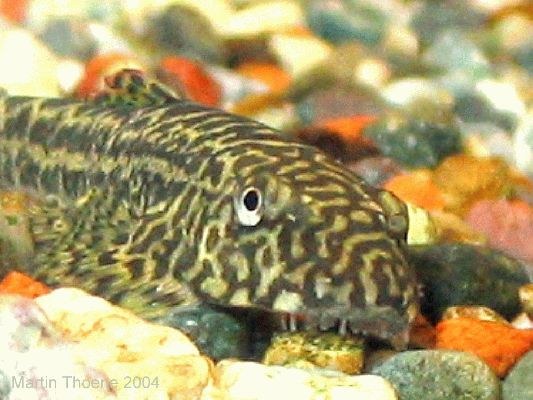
point(378, 322)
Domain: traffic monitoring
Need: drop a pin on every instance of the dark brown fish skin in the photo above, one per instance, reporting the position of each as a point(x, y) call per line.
point(144, 206)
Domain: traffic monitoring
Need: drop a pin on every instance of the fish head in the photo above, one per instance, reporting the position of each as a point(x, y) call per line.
point(308, 239)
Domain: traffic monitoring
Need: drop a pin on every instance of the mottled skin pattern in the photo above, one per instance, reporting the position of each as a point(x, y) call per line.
point(141, 206)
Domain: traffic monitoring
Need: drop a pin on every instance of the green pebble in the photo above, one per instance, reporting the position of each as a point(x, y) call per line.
point(461, 274)
point(474, 108)
point(518, 385)
point(440, 375)
point(342, 21)
point(415, 143)
point(182, 30)
point(454, 51)
point(434, 17)
point(216, 333)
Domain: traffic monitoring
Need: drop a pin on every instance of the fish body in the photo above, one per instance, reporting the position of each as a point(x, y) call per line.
point(173, 204)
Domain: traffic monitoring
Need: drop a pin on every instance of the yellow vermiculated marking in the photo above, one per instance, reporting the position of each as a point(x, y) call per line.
point(349, 244)
point(215, 287)
point(240, 263)
point(361, 217)
point(288, 301)
point(298, 275)
point(297, 247)
point(241, 297)
point(394, 288)
point(370, 287)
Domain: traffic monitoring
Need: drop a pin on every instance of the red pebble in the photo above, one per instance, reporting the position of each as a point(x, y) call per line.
point(98, 68)
point(508, 225)
point(14, 10)
point(192, 79)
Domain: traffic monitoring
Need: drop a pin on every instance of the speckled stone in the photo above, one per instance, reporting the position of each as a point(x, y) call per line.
point(216, 333)
point(413, 142)
point(440, 375)
point(454, 51)
point(432, 18)
point(476, 312)
point(324, 350)
point(346, 20)
point(252, 381)
point(460, 274)
point(518, 385)
point(184, 30)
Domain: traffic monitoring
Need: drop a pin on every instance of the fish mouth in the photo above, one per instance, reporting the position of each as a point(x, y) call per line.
point(378, 322)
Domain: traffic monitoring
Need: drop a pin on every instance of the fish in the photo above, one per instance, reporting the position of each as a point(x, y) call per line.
point(154, 202)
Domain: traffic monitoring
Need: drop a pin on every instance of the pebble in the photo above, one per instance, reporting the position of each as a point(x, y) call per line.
point(252, 381)
point(452, 229)
point(476, 312)
point(460, 274)
point(336, 102)
point(508, 225)
point(28, 67)
point(414, 143)
point(440, 375)
point(422, 334)
point(522, 321)
point(523, 145)
point(432, 19)
point(487, 140)
point(298, 54)
point(453, 51)
point(234, 86)
point(323, 350)
point(341, 21)
point(417, 188)
point(499, 344)
point(262, 18)
point(183, 30)
point(165, 357)
point(419, 96)
point(376, 170)
point(467, 179)
point(526, 298)
point(216, 333)
point(69, 37)
point(24, 325)
point(277, 80)
point(341, 137)
point(518, 385)
point(190, 77)
point(472, 107)
point(92, 81)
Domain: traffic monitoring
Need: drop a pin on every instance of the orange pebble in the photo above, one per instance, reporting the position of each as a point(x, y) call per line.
point(350, 129)
point(499, 345)
point(19, 283)
point(98, 68)
point(273, 76)
point(14, 10)
point(417, 188)
point(194, 80)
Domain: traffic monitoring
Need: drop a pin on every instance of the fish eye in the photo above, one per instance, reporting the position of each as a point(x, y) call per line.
point(248, 206)
point(398, 225)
